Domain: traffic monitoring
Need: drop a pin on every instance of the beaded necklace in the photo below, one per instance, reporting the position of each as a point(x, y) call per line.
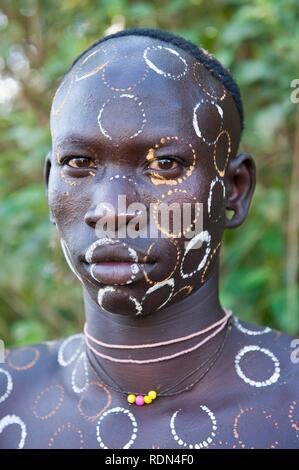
point(145, 399)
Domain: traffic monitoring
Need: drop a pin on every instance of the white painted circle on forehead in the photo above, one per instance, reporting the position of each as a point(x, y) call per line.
point(203, 237)
point(152, 63)
point(120, 100)
point(213, 183)
point(92, 64)
point(195, 120)
point(257, 383)
point(197, 445)
point(118, 410)
point(9, 420)
point(118, 74)
point(8, 387)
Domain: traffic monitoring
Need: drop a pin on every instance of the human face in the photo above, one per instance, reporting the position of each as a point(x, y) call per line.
point(140, 118)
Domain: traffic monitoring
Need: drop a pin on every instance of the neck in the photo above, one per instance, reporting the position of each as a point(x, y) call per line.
point(195, 312)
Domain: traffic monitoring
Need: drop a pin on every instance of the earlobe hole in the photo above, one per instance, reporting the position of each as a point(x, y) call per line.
point(229, 213)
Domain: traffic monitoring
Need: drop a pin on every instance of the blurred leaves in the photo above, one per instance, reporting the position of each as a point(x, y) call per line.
point(258, 40)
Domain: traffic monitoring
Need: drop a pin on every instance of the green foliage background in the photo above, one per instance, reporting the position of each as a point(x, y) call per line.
point(259, 41)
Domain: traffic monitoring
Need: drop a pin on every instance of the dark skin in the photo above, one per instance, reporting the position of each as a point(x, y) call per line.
point(91, 153)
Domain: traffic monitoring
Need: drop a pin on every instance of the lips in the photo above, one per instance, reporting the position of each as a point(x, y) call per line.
point(115, 263)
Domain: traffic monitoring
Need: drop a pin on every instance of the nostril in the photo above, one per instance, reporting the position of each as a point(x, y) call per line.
point(90, 219)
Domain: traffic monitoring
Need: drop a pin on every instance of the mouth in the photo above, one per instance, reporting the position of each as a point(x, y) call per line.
point(115, 263)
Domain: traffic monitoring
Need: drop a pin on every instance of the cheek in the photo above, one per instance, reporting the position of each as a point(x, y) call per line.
point(67, 204)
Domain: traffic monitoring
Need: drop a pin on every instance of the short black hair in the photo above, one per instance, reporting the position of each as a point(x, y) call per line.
point(207, 60)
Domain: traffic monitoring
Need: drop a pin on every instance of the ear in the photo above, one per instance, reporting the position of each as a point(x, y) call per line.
point(47, 169)
point(240, 181)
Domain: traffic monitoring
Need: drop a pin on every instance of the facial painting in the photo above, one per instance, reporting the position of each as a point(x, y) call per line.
point(141, 118)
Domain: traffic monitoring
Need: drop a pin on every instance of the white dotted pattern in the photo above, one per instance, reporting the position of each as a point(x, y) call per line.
point(199, 445)
point(257, 383)
point(118, 410)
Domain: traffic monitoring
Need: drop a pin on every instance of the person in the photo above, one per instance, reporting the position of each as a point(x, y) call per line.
point(148, 116)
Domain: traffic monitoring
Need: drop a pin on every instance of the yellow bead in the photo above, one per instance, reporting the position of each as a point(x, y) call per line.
point(131, 398)
point(152, 394)
point(147, 399)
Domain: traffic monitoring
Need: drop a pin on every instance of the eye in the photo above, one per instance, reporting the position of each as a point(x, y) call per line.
point(163, 164)
point(80, 162)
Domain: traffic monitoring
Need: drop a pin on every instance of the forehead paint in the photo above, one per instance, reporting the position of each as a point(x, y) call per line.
point(158, 179)
point(88, 397)
point(155, 55)
point(94, 62)
point(223, 135)
point(257, 383)
point(9, 420)
point(185, 230)
point(133, 107)
point(62, 434)
point(118, 410)
point(203, 237)
point(266, 418)
point(215, 181)
point(62, 94)
point(199, 114)
point(203, 78)
point(117, 81)
point(195, 445)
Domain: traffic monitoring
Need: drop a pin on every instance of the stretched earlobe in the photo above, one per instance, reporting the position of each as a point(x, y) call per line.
point(240, 181)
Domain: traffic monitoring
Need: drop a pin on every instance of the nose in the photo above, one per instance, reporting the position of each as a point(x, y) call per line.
point(116, 218)
point(114, 201)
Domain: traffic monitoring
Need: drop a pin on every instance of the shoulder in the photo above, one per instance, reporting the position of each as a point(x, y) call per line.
point(266, 367)
point(29, 369)
point(278, 348)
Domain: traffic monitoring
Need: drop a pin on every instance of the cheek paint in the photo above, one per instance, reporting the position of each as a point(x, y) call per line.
point(159, 285)
point(68, 259)
point(223, 135)
point(216, 181)
point(202, 237)
point(158, 179)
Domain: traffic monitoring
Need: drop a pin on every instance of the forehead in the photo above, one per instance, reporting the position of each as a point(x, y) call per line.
point(134, 85)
